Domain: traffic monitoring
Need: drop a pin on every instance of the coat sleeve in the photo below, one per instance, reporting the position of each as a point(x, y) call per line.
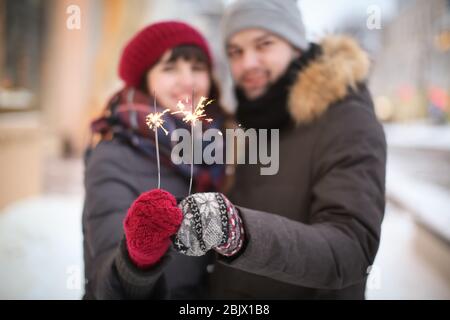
point(109, 193)
point(339, 242)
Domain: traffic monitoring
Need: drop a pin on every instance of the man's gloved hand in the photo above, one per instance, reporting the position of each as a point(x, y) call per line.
point(210, 221)
point(150, 222)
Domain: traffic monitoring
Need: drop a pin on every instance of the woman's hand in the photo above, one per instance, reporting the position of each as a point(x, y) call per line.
point(210, 221)
point(150, 222)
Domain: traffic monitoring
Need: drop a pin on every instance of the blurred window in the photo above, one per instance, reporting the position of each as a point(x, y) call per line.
point(22, 37)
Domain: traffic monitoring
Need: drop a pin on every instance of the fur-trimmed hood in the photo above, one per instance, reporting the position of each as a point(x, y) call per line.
point(327, 78)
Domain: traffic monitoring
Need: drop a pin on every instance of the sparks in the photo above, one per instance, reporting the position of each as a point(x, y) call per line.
point(155, 121)
point(197, 114)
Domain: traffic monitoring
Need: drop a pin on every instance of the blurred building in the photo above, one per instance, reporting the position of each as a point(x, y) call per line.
point(411, 69)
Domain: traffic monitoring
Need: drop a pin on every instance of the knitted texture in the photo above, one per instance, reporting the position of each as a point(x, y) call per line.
point(235, 232)
point(280, 17)
point(210, 222)
point(150, 222)
point(148, 45)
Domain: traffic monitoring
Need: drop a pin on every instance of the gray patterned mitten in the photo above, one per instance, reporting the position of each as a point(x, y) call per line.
point(210, 221)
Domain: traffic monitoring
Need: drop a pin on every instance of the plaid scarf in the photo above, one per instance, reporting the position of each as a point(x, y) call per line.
point(124, 118)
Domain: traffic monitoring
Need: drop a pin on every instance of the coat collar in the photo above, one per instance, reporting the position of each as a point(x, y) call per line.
point(328, 78)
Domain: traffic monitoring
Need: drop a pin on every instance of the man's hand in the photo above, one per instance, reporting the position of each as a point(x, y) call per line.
point(210, 221)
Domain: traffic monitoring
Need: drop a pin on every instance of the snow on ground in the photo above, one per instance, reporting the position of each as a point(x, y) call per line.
point(411, 263)
point(418, 135)
point(41, 249)
point(430, 204)
point(418, 172)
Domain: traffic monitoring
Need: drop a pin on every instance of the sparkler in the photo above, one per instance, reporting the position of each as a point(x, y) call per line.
point(195, 114)
point(154, 121)
point(192, 116)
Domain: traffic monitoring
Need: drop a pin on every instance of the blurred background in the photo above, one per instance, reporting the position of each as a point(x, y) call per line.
point(58, 66)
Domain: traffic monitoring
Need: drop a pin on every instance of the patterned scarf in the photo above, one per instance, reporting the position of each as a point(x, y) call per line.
point(124, 118)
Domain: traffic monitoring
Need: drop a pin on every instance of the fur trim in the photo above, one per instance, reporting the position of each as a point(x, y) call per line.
point(326, 80)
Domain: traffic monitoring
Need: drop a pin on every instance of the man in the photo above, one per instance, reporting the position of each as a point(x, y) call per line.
point(315, 226)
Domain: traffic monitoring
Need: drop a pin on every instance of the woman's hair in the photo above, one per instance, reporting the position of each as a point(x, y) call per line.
point(189, 52)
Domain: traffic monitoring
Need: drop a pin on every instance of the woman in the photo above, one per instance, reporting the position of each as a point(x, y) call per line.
point(172, 60)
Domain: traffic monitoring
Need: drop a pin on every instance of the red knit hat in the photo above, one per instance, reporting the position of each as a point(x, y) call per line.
point(148, 45)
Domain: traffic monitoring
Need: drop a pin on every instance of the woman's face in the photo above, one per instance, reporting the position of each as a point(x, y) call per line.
point(173, 81)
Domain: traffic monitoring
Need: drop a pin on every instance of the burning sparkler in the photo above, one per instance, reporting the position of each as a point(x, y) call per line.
point(154, 121)
point(191, 117)
point(194, 114)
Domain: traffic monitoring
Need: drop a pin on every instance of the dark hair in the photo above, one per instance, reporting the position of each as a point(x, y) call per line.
point(189, 52)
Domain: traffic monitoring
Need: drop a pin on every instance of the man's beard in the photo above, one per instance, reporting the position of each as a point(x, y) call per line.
point(253, 94)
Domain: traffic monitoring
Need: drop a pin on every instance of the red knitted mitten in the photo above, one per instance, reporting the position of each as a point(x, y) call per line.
point(150, 222)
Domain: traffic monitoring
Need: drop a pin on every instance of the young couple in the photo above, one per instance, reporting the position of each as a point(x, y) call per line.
point(310, 231)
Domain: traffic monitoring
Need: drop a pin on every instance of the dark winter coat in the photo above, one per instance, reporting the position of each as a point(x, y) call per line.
point(312, 229)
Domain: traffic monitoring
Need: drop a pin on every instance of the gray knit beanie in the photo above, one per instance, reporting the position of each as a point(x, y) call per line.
point(281, 17)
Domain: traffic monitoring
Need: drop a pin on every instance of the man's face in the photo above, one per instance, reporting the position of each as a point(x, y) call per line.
point(257, 59)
